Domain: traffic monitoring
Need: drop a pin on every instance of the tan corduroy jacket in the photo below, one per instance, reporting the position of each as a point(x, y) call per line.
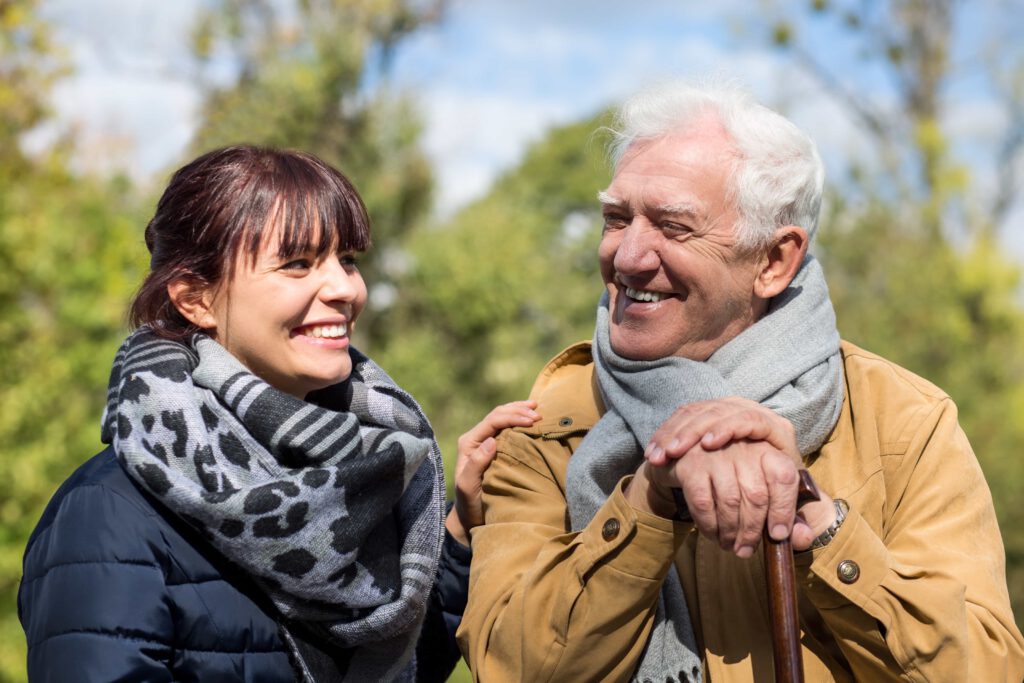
point(928, 600)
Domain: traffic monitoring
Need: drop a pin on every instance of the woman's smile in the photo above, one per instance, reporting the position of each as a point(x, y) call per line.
point(328, 334)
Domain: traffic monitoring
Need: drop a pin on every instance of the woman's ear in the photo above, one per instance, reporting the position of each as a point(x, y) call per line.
point(193, 301)
point(782, 261)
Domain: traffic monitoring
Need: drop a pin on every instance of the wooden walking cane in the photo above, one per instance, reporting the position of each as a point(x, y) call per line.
point(782, 606)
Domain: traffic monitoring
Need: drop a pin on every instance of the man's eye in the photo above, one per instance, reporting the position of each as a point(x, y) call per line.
point(671, 229)
point(615, 222)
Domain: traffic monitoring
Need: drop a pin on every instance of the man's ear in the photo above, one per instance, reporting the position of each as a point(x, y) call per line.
point(194, 301)
point(781, 262)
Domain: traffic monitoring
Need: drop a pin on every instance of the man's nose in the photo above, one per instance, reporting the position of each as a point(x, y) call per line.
point(638, 251)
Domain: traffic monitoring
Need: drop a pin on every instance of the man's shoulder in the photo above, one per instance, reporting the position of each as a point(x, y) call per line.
point(890, 401)
point(566, 393)
point(569, 403)
point(867, 371)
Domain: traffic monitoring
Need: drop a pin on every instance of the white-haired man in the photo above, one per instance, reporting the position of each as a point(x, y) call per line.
point(716, 369)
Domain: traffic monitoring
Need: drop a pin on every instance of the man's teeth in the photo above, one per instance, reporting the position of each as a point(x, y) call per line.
point(641, 295)
point(328, 331)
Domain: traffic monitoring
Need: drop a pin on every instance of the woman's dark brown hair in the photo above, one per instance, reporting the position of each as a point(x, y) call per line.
point(221, 206)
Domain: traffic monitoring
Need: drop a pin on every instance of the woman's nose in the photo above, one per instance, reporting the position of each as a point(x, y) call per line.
point(341, 282)
point(637, 251)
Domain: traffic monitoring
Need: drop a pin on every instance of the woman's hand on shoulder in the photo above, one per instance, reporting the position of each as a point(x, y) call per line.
point(477, 449)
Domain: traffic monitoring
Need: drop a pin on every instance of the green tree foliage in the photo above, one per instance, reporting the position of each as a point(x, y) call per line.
point(70, 256)
point(70, 251)
point(490, 295)
point(29, 64)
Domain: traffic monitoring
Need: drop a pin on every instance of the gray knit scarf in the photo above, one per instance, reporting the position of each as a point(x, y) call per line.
point(788, 361)
point(334, 506)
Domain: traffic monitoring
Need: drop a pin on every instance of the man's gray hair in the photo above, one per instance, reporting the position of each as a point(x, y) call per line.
point(778, 176)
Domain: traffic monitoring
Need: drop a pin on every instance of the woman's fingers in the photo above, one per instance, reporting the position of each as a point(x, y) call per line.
point(476, 451)
point(474, 465)
point(514, 414)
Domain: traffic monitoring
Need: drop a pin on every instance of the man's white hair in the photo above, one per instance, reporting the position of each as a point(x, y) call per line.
point(778, 176)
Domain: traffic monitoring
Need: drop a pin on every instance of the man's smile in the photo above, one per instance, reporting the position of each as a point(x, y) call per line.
point(646, 296)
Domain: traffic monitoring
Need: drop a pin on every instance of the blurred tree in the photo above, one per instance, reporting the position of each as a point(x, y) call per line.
point(914, 264)
point(909, 78)
point(301, 82)
point(29, 65)
point(489, 296)
point(70, 255)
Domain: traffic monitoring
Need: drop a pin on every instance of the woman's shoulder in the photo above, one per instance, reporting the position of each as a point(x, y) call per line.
point(97, 513)
point(107, 572)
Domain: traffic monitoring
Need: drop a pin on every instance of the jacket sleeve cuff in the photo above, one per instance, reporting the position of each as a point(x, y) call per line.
point(632, 541)
point(850, 568)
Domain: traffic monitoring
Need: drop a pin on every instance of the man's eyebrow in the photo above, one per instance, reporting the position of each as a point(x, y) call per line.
point(681, 209)
point(688, 209)
point(608, 200)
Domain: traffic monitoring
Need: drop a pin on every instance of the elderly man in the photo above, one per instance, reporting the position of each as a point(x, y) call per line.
point(716, 370)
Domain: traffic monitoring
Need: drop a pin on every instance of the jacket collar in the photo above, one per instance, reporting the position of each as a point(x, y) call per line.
point(567, 395)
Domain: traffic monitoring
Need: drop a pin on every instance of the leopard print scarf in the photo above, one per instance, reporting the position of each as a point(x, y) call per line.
point(334, 506)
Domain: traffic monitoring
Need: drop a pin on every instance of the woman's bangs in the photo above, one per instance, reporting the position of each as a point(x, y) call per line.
point(307, 208)
point(301, 229)
point(319, 216)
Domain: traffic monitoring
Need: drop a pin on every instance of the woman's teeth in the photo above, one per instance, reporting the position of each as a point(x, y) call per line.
point(641, 295)
point(327, 331)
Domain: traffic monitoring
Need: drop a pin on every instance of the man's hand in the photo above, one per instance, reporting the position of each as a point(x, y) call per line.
point(476, 451)
point(736, 463)
point(713, 424)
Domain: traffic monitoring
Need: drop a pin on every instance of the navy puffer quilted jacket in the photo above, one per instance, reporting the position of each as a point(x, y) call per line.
point(116, 589)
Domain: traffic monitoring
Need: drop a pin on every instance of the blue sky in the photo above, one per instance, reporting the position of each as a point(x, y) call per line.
point(495, 74)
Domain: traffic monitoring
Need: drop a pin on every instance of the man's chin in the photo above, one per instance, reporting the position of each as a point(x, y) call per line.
point(635, 349)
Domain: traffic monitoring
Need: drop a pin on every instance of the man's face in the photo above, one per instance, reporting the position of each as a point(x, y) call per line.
point(678, 284)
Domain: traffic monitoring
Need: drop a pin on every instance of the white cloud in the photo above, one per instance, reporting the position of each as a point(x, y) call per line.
point(471, 138)
point(134, 125)
point(125, 32)
point(129, 99)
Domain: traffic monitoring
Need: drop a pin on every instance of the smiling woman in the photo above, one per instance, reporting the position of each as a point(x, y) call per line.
point(271, 504)
point(285, 245)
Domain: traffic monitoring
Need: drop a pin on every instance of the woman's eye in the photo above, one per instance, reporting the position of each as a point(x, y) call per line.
point(297, 264)
point(349, 260)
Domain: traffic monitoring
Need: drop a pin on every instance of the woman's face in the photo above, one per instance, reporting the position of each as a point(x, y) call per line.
point(289, 319)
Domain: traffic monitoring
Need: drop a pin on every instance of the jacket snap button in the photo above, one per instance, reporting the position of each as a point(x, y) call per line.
point(848, 571)
point(565, 422)
point(610, 529)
